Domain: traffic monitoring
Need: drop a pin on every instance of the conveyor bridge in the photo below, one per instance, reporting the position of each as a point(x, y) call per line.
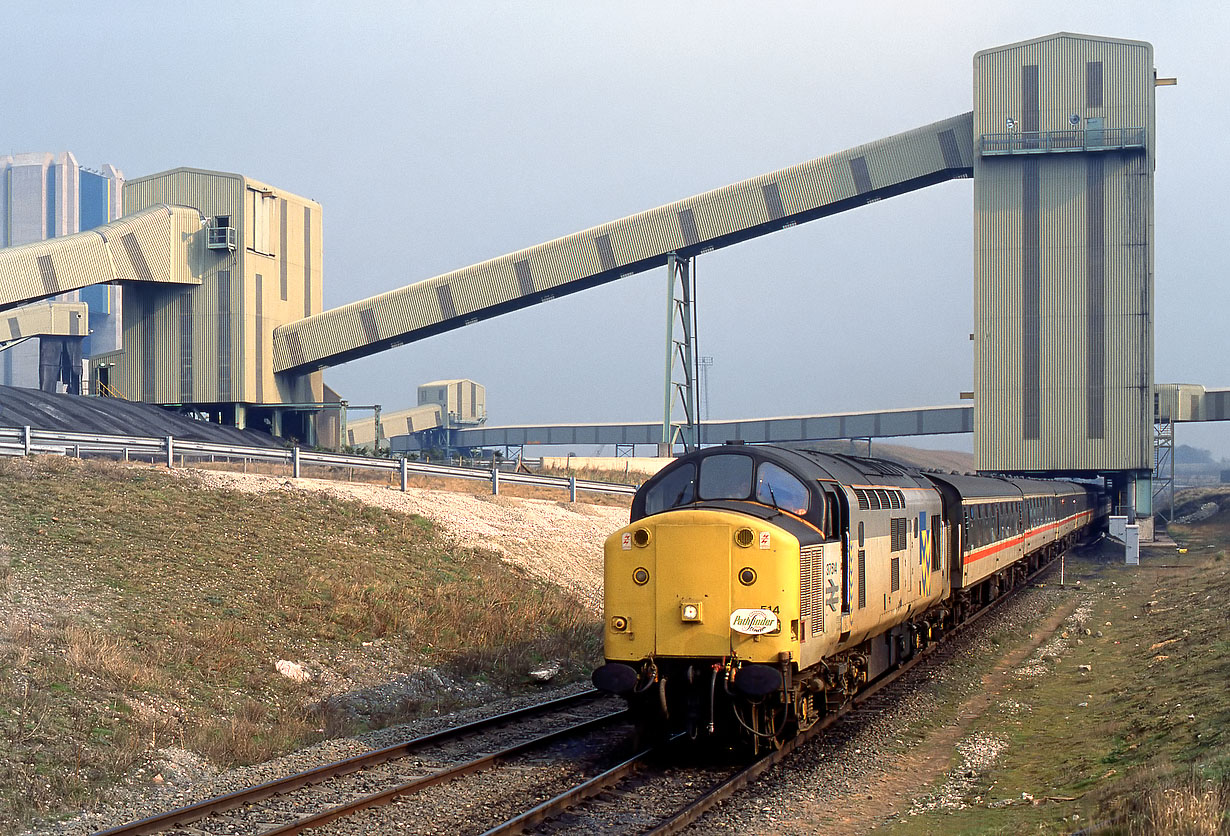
point(749, 209)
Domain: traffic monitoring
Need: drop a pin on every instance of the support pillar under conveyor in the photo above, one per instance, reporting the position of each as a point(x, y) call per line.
point(59, 361)
point(1131, 493)
point(1163, 465)
point(680, 420)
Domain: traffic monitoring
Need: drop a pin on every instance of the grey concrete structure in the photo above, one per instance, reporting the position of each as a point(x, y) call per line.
point(1063, 277)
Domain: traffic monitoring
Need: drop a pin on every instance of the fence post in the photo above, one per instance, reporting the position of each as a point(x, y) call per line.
point(170, 452)
point(125, 454)
point(76, 451)
point(572, 489)
point(25, 437)
point(295, 469)
point(404, 474)
point(495, 481)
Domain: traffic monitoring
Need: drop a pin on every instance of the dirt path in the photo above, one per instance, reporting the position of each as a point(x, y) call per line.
point(890, 793)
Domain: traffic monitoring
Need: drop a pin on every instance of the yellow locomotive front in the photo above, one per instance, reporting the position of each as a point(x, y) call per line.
point(701, 584)
point(702, 599)
point(702, 612)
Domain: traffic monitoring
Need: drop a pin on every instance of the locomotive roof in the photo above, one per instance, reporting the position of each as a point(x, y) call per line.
point(811, 465)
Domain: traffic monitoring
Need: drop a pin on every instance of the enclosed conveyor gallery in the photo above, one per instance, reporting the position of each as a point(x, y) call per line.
point(719, 218)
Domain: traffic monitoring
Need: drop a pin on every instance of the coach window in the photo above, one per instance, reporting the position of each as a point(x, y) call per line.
point(678, 487)
point(781, 489)
point(726, 477)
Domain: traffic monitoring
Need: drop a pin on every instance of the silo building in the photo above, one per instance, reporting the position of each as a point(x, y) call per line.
point(45, 195)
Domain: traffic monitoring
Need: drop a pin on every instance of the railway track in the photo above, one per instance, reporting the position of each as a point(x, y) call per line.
point(627, 780)
point(646, 792)
point(294, 795)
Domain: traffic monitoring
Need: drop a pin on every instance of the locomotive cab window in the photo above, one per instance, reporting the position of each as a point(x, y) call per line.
point(781, 489)
point(676, 488)
point(726, 477)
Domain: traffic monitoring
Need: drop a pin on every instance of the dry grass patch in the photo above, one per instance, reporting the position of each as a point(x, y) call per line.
point(91, 651)
point(1165, 802)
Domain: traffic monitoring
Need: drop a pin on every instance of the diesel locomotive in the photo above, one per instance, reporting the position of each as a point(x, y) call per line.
point(757, 588)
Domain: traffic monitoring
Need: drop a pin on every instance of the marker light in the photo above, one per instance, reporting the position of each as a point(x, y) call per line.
point(619, 624)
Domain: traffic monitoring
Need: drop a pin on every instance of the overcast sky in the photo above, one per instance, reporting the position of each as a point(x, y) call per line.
point(437, 135)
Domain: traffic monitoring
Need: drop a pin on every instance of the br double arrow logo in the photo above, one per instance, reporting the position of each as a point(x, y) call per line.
point(832, 595)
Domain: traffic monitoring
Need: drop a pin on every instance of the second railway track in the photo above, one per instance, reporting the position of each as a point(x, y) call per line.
point(310, 798)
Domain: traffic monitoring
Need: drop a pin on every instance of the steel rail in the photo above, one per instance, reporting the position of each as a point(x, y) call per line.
point(691, 812)
point(388, 796)
point(218, 804)
point(565, 800)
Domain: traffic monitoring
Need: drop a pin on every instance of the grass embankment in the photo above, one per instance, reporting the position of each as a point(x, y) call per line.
point(1139, 741)
point(140, 611)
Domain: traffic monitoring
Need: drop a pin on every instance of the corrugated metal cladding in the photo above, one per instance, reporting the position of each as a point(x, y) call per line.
point(713, 219)
point(140, 248)
point(361, 432)
point(65, 319)
point(1179, 402)
point(464, 400)
point(1064, 260)
point(217, 345)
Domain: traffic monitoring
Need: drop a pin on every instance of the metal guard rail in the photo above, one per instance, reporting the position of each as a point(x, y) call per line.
point(27, 441)
point(1049, 142)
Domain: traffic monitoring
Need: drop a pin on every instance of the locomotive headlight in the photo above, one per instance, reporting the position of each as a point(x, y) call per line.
point(690, 611)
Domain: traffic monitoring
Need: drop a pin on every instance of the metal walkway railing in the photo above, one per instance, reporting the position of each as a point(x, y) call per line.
point(1050, 142)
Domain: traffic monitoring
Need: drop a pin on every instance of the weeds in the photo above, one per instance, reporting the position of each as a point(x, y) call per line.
point(1161, 803)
